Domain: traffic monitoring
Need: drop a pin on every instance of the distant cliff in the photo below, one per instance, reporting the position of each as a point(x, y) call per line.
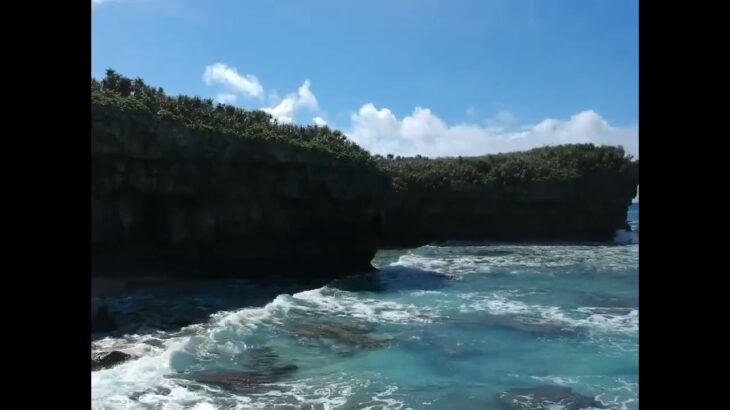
point(164, 196)
point(186, 186)
point(562, 193)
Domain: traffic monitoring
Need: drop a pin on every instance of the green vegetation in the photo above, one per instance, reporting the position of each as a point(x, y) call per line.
point(569, 192)
point(540, 165)
point(202, 114)
point(336, 208)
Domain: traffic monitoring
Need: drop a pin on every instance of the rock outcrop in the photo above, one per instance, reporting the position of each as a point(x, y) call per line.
point(105, 360)
point(575, 193)
point(165, 197)
point(183, 187)
point(547, 397)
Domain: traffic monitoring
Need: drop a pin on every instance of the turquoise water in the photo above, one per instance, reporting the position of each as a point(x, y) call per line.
point(450, 327)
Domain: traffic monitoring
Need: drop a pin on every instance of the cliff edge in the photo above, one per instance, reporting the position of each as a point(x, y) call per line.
point(183, 186)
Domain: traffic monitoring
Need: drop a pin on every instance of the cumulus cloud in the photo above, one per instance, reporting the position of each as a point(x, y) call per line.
point(505, 117)
point(424, 133)
point(304, 98)
point(283, 112)
point(246, 84)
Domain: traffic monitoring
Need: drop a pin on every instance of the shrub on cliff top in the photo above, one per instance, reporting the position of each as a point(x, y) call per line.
point(134, 95)
point(540, 165)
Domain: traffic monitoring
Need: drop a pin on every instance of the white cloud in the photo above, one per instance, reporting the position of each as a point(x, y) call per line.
point(306, 98)
point(283, 112)
point(422, 132)
point(285, 109)
point(246, 84)
point(505, 117)
point(226, 98)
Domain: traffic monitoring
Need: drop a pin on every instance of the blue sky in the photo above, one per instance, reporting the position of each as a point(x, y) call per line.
point(397, 76)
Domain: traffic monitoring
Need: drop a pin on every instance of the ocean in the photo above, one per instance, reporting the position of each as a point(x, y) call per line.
point(490, 326)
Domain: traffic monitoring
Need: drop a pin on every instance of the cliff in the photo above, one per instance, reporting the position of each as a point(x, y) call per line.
point(184, 186)
point(562, 193)
point(165, 196)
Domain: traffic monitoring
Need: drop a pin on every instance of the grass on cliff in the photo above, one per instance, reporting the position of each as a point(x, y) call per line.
point(540, 165)
point(202, 114)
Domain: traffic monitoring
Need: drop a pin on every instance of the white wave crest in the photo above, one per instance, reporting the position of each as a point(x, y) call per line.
point(342, 303)
point(595, 319)
point(500, 259)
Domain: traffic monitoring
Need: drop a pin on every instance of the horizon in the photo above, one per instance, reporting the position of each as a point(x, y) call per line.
point(571, 74)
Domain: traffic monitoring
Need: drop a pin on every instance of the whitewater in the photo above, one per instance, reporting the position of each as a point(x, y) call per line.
point(490, 326)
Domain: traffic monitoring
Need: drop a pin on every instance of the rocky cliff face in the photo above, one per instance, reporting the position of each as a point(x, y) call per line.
point(165, 197)
point(589, 208)
point(170, 199)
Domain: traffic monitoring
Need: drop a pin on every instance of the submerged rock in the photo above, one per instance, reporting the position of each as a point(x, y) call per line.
point(263, 359)
point(160, 390)
point(545, 398)
point(242, 373)
point(608, 301)
point(105, 360)
point(240, 381)
point(337, 332)
point(154, 342)
point(611, 312)
point(513, 322)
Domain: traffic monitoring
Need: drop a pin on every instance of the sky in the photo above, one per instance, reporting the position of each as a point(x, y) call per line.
point(403, 77)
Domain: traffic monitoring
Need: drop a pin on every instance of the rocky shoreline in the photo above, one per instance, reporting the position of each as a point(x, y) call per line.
point(184, 192)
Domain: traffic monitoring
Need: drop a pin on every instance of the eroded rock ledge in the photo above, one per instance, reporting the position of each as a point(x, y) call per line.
point(175, 196)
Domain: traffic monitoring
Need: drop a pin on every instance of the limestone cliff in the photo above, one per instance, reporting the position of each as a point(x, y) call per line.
point(184, 186)
point(564, 193)
point(167, 197)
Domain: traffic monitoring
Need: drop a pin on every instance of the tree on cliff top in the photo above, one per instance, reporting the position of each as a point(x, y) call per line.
point(134, 95)
point(539, 165)
point(550, 164)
